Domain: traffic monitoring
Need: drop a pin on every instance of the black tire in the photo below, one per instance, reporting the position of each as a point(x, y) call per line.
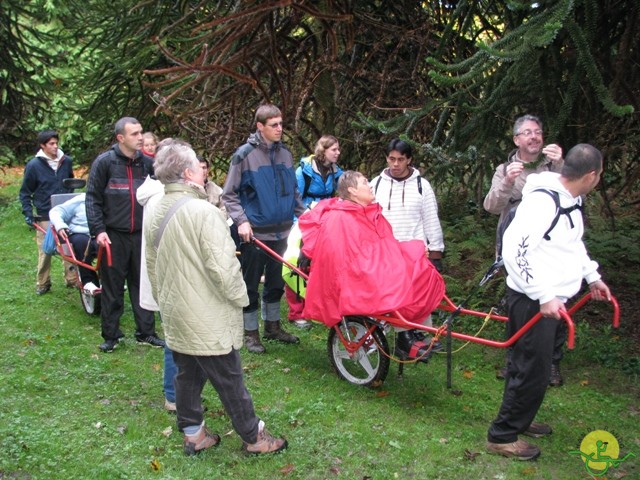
point(367, 366)
point(90, 303)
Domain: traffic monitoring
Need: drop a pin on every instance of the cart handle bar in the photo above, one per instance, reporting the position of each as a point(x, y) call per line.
point(275, 255)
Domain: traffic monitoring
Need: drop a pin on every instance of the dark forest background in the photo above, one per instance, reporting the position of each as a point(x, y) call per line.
point(448, 76)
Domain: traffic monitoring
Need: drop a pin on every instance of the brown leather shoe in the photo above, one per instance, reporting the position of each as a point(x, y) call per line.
point(274, 331)
point(538, 430)
point(265, 443)
point(252, 341)
point(194, 444)
point(519, 450)
point(555, 379)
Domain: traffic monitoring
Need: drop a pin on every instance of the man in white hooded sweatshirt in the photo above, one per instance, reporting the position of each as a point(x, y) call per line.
point(546, 265)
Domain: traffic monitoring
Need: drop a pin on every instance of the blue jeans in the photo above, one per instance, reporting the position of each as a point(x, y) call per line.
point(170, 371)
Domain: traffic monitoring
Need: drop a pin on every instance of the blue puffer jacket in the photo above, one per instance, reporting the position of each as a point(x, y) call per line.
point(40, 182)
point(311, 186)
point(261, 188)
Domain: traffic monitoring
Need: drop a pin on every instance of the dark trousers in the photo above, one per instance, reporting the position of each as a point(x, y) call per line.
point(225, 374)
point(79, 243)
point(125, 257)
point(256, 262)
point(528, 371)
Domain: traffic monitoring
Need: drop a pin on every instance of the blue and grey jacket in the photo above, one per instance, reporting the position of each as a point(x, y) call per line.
point(261, 188)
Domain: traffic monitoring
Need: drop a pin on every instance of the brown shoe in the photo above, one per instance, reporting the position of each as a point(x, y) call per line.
point(501, 373)
point(252, 341)
point(273, 331)
point(538, 430)
point(555, 379)
point(194, 444)
point(519, 450)
point(265, 443)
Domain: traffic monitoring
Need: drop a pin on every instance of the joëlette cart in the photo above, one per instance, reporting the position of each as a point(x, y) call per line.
point(358, 347)
point(90, 298)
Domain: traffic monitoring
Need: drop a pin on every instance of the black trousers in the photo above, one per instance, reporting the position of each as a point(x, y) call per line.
point(528, 371)
point(125, 257)
point(79, 243)
point(225, 374)
point(256, 262)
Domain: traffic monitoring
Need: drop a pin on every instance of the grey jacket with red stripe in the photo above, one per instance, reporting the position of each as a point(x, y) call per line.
point(111, 191)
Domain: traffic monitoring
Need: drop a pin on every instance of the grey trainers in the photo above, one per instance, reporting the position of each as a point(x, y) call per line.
point(194, 444)
point(265, 443)
point(519, 450)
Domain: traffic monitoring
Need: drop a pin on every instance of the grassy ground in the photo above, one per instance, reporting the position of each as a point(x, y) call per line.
point(68, 411)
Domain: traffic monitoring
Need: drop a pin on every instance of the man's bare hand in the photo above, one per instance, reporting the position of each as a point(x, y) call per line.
point(553, 308)
point(600, 291)
point(245, 232)
point(513, 170)
point(103, 239)
point(553, 152)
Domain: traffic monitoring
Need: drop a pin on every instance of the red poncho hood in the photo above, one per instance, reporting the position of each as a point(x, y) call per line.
point(359, 268)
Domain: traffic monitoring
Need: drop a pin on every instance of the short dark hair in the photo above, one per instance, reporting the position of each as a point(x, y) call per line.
point(400, 146)
point(265, 112)
point(46, 135)
point(580, 160)
point(201, 159)
point(119, 126)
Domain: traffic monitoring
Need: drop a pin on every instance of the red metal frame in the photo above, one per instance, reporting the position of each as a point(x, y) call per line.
point(397, 320)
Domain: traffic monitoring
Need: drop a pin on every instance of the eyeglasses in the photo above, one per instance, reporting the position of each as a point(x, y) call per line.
point(529, 133)
point(274, 125)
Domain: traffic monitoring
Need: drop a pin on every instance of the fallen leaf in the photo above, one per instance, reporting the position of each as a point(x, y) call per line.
point(528, 471)
point(394, 444)
point(444, 440)
point(98, 425)
point(122, 429)
point(156, 367)
point(287, 469)
point(155, 465)
point(469, 455)
point(105, 401)
point(584, 383)
point(467, 374)
point(382, 393)
point(335, 470)
point(167, 431)
point(286, 370)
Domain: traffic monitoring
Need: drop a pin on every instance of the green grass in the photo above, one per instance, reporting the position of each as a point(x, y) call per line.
point(70, 412)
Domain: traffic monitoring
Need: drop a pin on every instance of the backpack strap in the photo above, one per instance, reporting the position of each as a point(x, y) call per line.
point(307, 184)
point(172, 210)
point(559, 210)
point(419, 184)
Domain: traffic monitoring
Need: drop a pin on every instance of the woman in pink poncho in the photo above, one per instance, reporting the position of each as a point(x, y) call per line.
point(359, 268)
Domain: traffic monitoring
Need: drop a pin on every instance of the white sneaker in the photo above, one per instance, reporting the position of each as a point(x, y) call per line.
point(90, 288)
point(169, 406)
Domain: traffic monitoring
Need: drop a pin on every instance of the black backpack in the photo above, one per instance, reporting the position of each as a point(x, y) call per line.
point(506, 221)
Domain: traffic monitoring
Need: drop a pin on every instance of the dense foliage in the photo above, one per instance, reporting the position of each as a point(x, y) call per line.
point(448, 76)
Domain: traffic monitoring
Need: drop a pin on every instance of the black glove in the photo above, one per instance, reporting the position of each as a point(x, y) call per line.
point(304, 262)
point(29, 221)
point(437, 262)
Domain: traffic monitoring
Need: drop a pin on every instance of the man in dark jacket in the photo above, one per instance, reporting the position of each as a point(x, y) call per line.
point(115, 218)
point(43, 177)
point(261, 197)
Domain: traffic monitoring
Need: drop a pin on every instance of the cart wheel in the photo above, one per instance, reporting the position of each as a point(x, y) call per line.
point(90, 303)
point(366, 366)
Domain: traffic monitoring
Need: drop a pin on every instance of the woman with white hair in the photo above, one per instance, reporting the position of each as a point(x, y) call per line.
point(197, 283)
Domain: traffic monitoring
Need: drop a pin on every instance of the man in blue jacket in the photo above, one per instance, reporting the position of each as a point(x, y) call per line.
point(115, 218)
point(43, 177)
point(261, 197)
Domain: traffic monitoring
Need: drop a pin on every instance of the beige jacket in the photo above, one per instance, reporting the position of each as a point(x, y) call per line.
point(503, 196)
point(195, 276)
